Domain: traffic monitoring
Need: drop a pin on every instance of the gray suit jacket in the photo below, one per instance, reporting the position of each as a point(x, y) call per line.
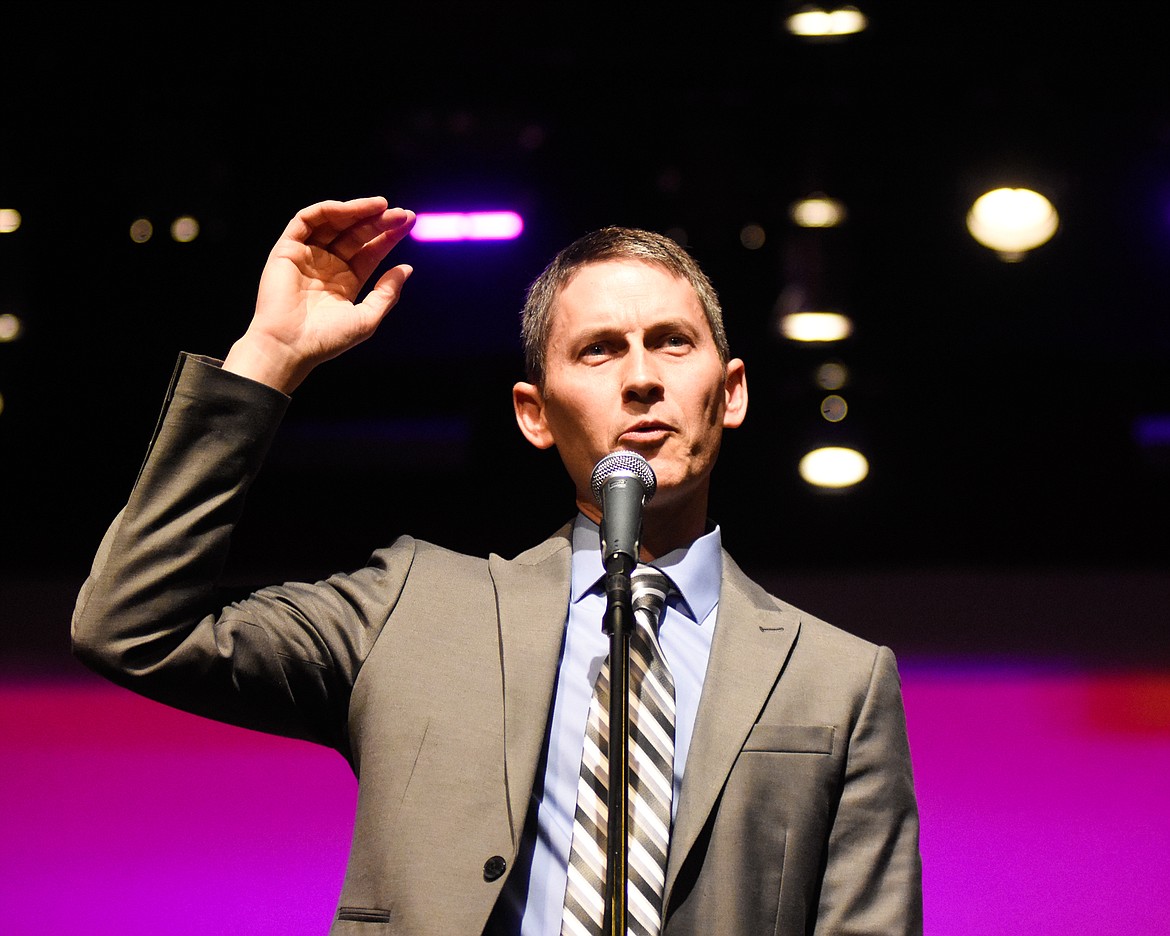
point(433, 673)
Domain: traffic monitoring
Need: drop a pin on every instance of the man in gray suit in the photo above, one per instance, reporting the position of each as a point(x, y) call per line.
point(458, 687)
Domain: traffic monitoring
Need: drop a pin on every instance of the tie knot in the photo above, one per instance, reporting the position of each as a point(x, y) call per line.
point(649, 589)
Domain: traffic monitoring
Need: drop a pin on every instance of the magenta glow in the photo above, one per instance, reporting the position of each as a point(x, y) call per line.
point(467, 225)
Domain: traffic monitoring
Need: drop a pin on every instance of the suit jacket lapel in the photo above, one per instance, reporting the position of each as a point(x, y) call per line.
point(752, 640)
point(532, 594)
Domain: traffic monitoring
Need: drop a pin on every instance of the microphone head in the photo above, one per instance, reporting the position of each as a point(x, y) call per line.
point(626, 463)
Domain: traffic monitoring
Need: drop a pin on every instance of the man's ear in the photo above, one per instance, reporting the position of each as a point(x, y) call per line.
point(735, 394)
point(528, 402)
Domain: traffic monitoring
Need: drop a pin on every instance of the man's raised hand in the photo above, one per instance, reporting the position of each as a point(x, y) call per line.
point(306, 308)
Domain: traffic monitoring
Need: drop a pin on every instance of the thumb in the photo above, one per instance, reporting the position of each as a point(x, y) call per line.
point(387, 291)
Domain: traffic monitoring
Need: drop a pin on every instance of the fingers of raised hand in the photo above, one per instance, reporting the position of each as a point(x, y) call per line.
point(372, 251)
point(368, 233)
point(345, 228)
point(321, 223)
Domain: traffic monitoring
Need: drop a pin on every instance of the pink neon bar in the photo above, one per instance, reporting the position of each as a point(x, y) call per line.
point(467, 225)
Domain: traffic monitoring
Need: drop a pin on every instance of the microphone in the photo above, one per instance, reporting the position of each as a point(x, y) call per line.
point(623, 482)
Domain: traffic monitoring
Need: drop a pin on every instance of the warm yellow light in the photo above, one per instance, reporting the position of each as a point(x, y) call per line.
point(816, 326)
point(832, 375)
point(817, 211)
point(141, 230)
point(1012, 221)
point(9, 220)
point(815, 21)
point(834, 408)
point(10, 327)
point(752, 236)
point(184, 229)
point(834, 467)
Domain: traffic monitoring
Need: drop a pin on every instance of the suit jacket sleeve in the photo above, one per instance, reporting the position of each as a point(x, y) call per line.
point(873, 877)
point(151, 616)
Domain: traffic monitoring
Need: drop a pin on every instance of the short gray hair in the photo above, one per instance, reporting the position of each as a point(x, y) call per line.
point(610, 243)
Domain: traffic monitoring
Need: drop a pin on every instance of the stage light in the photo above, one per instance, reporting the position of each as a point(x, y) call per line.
point(832, 375)
point(184, 229)
point(467, 225)
point(811, 21)
point(10, 327)
point(834, 408)
point(834, 467)
point(816, 326)
point(9, 220)
point(141, 230)
point(752, 236)
point(1012, 221)
point(817, 211)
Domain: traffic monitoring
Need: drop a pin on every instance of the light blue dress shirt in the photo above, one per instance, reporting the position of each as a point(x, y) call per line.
point(535, 891)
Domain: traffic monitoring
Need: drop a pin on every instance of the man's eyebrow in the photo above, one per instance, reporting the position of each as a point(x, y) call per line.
point(680, 323)
point(589, 333)
point(594, 331)
point(683, 326)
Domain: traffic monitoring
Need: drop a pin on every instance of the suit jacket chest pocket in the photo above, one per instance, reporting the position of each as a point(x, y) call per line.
point(791, 739)
point(789, 774)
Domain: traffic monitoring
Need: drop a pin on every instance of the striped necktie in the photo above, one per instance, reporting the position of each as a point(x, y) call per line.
point(651, 774)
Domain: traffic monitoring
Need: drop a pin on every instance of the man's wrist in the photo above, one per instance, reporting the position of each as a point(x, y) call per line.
point(265, 363)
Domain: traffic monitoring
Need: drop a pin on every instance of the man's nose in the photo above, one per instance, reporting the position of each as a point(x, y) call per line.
point(642, 376)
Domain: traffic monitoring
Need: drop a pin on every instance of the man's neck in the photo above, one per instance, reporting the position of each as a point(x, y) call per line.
point(663, 528)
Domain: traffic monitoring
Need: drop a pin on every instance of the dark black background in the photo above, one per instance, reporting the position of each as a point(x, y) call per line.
point(996, 402)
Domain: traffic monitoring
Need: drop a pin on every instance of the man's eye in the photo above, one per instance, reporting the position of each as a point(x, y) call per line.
point(593, 350)
point(677, 341)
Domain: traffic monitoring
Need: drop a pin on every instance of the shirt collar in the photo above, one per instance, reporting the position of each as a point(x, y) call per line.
point(695, 570)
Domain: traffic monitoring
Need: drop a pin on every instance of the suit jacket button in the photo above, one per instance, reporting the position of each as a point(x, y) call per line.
point(494, 868)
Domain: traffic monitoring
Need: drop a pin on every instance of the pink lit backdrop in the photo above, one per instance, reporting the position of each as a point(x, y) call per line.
point(1045, 799)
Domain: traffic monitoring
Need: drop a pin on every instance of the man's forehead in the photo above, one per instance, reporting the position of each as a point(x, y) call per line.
point(603, 279)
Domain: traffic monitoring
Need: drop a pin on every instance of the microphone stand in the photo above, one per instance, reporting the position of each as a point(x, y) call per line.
point(618, 623)
point(622, 482)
